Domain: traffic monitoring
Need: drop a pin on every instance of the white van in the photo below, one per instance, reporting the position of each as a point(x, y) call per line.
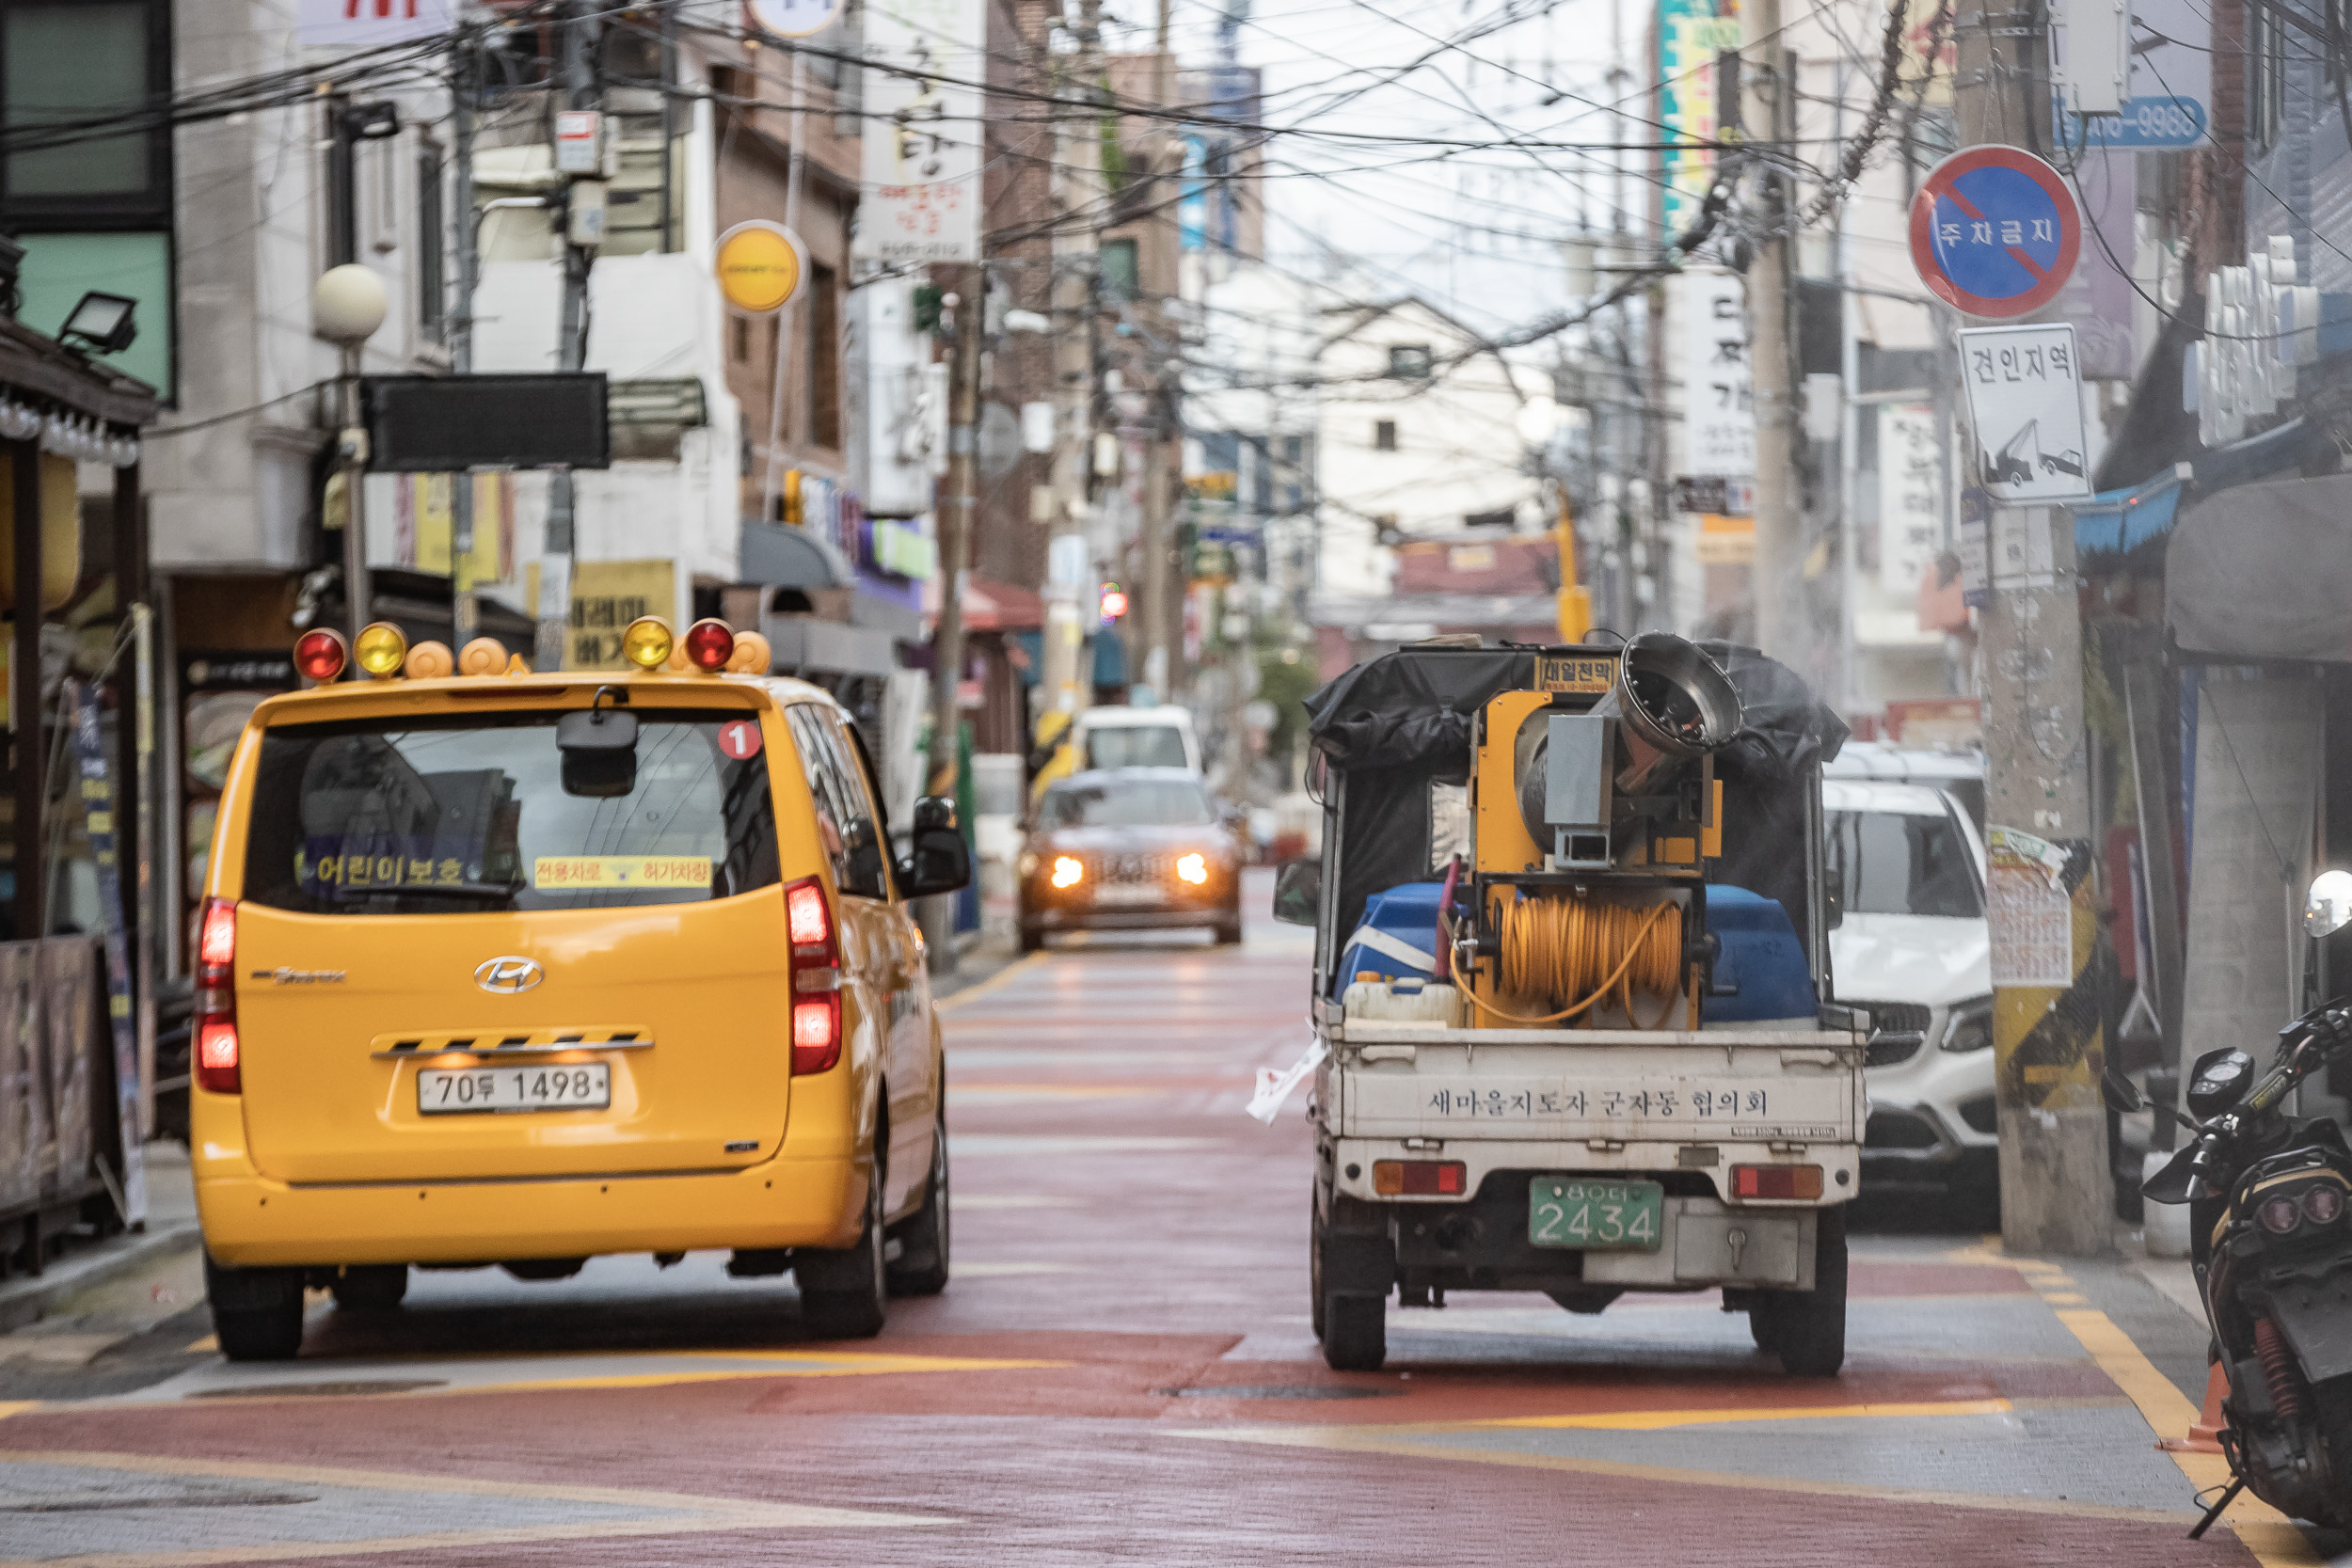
point(1909, 942)
point(1117, 736)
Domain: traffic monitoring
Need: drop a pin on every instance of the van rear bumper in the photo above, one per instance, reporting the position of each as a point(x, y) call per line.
point(252, 1222)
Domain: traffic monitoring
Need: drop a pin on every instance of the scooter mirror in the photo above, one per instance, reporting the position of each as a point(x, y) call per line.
point(2328, 908)
point(2120, 1092)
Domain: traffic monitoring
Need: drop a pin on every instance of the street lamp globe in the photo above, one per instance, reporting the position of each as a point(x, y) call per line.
point(347, 305)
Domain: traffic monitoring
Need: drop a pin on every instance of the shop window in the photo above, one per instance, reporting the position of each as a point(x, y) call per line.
point(432, 280)
point(64, 63)
point(1121, 272)
point(824, 357)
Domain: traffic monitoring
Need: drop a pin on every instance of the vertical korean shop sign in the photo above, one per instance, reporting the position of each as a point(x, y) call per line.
point(921, 169)
point(1718, 409)
point(1689, 34)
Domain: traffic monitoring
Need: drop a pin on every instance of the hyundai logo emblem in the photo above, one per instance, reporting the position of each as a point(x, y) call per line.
point(509, 974)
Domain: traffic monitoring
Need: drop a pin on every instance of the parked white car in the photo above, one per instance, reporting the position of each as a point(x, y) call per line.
point(1906, 870)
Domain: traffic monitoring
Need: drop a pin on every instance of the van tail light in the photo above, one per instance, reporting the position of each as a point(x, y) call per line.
point(218, 1066)
point(815, 978)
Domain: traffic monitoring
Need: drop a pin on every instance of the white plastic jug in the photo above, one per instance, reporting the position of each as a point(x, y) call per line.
point(1409, 1001)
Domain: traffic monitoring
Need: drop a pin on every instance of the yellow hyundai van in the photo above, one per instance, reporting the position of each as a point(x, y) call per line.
point(505, 968)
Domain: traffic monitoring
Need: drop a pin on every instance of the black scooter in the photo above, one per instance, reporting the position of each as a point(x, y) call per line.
point(2271, 1242)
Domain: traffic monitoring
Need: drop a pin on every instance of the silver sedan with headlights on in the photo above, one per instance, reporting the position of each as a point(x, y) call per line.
point(1129, 849)
point(1908, 941)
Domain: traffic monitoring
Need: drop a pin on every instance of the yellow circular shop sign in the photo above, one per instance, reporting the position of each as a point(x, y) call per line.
point(761, 266)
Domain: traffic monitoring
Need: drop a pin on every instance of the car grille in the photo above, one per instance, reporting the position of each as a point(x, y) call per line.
point(1897, 1018)
point(1898, 1130)
point(1129, 870)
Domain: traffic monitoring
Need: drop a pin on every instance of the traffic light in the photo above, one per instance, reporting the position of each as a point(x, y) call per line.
point(929, 306)
point(1114, 602)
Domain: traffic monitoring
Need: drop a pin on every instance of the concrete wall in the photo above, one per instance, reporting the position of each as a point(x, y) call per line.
point(2258, 768)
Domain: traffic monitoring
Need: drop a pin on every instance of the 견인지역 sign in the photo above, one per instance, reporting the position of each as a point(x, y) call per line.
point(2025, 411)
point(1994, 231)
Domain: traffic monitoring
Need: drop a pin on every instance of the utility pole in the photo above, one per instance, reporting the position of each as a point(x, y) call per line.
point(465, 619)
point(1781, 621)
point(1168, 163)
point(1077, 233)
point(2057, 1191)
point(954, 521)
point(555, 557)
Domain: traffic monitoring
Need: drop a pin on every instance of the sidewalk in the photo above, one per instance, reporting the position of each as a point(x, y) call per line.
point(87, 1269)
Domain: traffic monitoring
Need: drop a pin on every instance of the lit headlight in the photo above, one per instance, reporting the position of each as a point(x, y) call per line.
point(1193, 868)
point(1067, 871)
point(1970, 1027)
point(1029, 863)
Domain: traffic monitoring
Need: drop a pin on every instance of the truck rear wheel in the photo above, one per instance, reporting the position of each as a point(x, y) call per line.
point(1354, 1333)
point(1807, 1328)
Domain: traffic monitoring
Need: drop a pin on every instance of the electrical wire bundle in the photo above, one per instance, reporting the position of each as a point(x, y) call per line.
point(1555, 949)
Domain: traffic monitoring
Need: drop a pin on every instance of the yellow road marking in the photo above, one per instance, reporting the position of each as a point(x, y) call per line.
point(989, 984)
point(2065, 1298)
point(686, 1514)
point(206, 1346)
point(1374, 1440)
point(2267, 1533)
point(10, 1407)
point(1652, 1421)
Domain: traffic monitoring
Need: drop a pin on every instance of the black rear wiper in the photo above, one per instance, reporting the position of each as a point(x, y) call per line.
point(459, 890)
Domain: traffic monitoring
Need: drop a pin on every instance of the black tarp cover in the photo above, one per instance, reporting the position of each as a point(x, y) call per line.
point(1391, 727)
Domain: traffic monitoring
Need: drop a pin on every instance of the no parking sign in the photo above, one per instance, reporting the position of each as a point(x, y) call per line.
point(1994, 231)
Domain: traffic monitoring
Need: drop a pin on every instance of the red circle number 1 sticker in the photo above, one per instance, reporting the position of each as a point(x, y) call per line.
point(740, 738)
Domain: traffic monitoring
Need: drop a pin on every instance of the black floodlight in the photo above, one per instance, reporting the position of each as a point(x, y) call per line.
point(103, 320)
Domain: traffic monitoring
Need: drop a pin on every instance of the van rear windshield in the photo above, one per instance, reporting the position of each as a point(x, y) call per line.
point(467, 812)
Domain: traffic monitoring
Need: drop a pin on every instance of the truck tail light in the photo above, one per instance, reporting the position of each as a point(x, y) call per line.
point(217, 1067)
point(816, 970)
point(1777, 1181)
point(1419, 1178)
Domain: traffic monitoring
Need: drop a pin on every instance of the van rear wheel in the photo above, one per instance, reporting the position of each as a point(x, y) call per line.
point(257, 1313)
point(846, 1294)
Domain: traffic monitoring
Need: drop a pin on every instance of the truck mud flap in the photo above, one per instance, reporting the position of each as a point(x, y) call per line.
point(1357, 1256)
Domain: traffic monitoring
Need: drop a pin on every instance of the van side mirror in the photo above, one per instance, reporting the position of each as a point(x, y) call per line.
point(1298, 892)
point(937, 859)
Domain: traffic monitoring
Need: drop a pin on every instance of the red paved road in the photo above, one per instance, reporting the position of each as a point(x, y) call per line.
point(1126, 1231)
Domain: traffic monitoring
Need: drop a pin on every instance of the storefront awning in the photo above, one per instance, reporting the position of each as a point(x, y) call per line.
point(2265, 571)
point(776, 556)
point(2117, 522)
point(1000, 607)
